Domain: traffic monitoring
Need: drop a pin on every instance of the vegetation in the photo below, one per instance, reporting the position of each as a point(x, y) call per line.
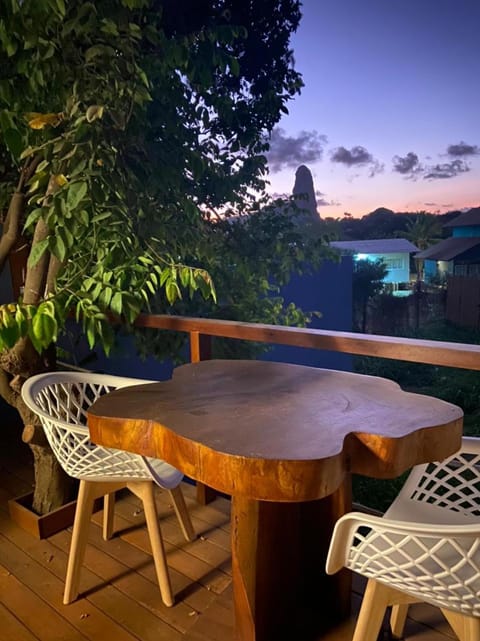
point(458, 386)
point(384, 223)
point(132, 135)
point(367, 282)
point(423, 231)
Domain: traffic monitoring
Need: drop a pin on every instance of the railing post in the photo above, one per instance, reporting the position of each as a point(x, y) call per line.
point(200, 347)
point(201, 350)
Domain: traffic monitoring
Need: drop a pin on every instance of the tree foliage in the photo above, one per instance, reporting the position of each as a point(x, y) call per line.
point(384, 223)
point(367, 282)
point(131, 126)
point(132, 142)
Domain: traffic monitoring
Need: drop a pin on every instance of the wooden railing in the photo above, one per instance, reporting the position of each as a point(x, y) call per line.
point(461, 355)
point(201, 330)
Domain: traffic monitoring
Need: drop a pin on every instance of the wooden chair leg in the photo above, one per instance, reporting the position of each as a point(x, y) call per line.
point(145, 491)
point(372, 612)
point(182, 513)
point(108, 515)
point(397, 619)
point(83, 514)
point(466, 628)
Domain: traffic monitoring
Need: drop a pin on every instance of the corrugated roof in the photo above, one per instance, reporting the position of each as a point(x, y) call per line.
point(448, 249)
point(377, 246)
point(470, 217)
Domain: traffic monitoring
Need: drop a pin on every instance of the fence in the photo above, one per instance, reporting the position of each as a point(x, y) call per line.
point(463, 301)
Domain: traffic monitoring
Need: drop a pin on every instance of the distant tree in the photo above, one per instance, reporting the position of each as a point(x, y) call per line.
point(423, 231)
point(367, 282)
point(381, 223)
point(330, 227)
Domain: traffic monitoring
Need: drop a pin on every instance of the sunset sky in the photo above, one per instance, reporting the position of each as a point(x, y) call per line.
point(389, 115)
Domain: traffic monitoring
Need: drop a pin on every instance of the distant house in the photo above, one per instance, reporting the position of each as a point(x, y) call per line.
point(458, 255)
point(394, 252)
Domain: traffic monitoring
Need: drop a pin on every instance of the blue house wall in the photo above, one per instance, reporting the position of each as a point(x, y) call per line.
point(466, 231)
point(329, 291)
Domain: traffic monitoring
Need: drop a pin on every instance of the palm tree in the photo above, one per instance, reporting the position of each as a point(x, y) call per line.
point(423, 231)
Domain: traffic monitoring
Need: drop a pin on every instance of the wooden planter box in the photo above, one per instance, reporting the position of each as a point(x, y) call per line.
point(41, 527)
point(38, 526)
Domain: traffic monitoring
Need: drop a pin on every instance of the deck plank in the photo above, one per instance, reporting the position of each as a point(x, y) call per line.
point(12, 629)
point(120, 599)
point(36, 614)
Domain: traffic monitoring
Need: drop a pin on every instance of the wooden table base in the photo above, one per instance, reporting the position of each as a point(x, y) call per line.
point(278, 557)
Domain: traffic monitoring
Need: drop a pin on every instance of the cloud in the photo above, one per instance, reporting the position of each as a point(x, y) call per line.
point(354, 156)
point(438, 205)
point(291, 151)
point(323, 202)
point(409, 165)
point(357, 157)
point(463, 149)
point(446, 170)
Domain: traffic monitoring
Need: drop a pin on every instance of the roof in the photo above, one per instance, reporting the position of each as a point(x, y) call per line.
point(378, 246)
point(448, 249)
point(468, 218)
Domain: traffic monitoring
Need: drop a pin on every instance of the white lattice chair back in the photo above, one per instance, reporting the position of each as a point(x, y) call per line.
point(444, 491)
point(61, 401)
point(436, 560)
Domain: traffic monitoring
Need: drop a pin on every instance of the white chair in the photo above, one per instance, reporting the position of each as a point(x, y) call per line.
point(61, 401)
point(425, 548)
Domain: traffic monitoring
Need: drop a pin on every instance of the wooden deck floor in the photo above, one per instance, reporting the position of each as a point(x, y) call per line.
point(120, 599)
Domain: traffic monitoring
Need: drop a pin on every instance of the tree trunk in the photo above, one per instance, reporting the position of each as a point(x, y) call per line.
point(53, 488)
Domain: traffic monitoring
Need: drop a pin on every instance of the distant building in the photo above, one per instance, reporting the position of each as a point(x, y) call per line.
point(394, 252)
point(458, 255)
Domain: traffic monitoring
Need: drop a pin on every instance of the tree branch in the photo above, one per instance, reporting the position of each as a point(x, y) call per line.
point(53, 269)
point(11, 227)
point(36, 277)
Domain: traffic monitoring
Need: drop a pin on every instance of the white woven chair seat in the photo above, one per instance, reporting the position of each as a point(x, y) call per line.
point(426, 547)
point(441, 567)
point(61, 400)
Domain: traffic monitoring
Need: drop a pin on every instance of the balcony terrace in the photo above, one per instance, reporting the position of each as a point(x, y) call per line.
point(120, 598)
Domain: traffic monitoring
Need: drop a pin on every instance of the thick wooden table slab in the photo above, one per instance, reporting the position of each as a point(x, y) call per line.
point(282, 440)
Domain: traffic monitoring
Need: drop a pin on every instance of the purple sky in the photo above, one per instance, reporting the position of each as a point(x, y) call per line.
point(389, 115)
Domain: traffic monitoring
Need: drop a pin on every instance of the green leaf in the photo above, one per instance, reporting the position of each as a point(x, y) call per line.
point(57, 246)
point(43, 331)
point(32, 217)
point(14, 142)
point(150, 286)
point(47, 307)
point(116, 303)
point(27, 152)
point(61, 7)
point(37, 251)
point(102, 216)
point(98, 50)
point(9, 330)
point(106, 296)
point(76, 192)
point(172, 291)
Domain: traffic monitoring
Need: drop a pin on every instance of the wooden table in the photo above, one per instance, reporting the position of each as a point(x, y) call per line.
point(282, 440)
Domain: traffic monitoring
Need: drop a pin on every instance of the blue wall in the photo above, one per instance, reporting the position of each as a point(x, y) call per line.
point(469, 231)
point(329, 291)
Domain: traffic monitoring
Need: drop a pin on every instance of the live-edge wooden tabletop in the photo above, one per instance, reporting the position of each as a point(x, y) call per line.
point(276, 431)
